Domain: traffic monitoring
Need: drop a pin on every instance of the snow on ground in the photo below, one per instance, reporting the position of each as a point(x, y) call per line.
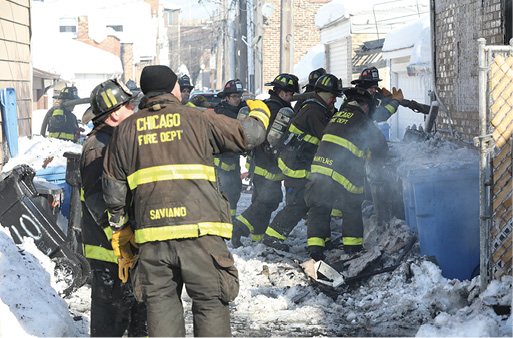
point(276, 297)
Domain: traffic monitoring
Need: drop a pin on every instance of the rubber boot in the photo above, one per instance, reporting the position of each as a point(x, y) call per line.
point(275, 243)
point(316, 252)
point(239, 230)
point(352, 249)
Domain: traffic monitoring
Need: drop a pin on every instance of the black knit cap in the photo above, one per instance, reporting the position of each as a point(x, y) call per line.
point(157, 79)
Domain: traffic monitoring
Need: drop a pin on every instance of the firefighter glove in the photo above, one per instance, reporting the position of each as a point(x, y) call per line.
point(199, 100)
point(385, 92)
point(121, 240)
point(124, 266)
point(397, 95)
point(259, 110)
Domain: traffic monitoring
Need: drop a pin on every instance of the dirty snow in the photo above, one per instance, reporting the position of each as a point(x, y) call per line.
point(276, 297)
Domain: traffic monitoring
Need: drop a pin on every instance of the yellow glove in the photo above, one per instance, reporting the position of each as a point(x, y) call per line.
point(124, 266)
point(385, 92)
point(397, 95)
point(259, 110)
point(120, 242)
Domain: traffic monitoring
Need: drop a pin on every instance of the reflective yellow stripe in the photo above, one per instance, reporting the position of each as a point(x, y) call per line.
point(261, 115)
point(224, 166)
point(99, 253)
point(338, 178)
point(344, 143)
point(273, 233)
point(256, 238)
point(307, 138)
point(303, 173)
point(172, 172)
point(190, 104)
point(246, 223)
point(82, 198)
point(233, 212)
point(352, 240)
point(112, 97)
point(336, 213)
point(58, 112)
point(267, 175)
point(62, 135)
point(183, 231)
point(315, 241)
point(390, 108)
point(108, 232)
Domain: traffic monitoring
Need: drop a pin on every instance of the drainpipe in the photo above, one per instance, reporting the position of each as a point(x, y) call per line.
point(482, 142)
point(433, 60)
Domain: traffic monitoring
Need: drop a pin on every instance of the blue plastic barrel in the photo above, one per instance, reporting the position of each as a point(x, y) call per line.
point(57, 175)
point(447, 216)
point(385, 129)
point(408, 198)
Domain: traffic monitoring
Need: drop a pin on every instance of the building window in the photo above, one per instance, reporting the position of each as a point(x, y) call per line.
point(68, 25)
point(117, 28)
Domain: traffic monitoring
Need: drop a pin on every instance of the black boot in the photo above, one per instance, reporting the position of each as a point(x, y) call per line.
point(239, 230)
point(316, 252)
point(275, 243)
point(352, 249)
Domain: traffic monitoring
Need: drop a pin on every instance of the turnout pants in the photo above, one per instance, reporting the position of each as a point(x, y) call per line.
point(205, 266)
point(267, 196)
point(322, 195)
point(231, 185)
point(295, 209)
point(113, 306)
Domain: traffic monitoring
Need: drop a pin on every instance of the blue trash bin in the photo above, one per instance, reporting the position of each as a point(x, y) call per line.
point(408, 198)
point(385, 129)
point(447, 216)
point(57, 175)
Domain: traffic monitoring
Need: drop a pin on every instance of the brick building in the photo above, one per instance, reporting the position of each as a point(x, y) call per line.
point(458, 69)
point(304, 35)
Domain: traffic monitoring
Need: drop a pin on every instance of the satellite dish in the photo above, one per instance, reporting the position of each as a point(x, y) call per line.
point(267, 10)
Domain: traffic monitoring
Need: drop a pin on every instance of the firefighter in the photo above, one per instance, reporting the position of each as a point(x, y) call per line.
point(62, 123)
point(228, 164)
point(338, 173)
point(386, 102)
point(312, 79)
point(185, 88)
point(164, 157)
point(263, 166)
point(296, 157)
point(113, 306)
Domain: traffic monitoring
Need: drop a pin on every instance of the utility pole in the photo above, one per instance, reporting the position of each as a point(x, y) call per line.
point(286, 37)
point(259, 65)
point(220, 47)
point(242, 57)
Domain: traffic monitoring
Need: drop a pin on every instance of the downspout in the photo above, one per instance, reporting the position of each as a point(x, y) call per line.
point(433, 60)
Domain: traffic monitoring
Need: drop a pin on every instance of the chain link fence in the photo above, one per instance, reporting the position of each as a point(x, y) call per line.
point(496, 153)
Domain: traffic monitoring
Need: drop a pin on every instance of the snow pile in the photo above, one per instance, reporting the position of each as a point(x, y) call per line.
point(276, 297)
point(29, 305)
point(313, 59)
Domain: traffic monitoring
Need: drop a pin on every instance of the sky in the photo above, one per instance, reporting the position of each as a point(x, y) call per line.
point(276, 297)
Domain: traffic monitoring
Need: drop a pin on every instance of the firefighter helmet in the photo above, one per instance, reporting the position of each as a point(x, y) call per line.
point(288, 82)
point(185, 82)
point(369, 77)
point(329, 83)
point(107, 97)
point(68, 93)
point(231, 87)
point(315, 75)
point(361, 95)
